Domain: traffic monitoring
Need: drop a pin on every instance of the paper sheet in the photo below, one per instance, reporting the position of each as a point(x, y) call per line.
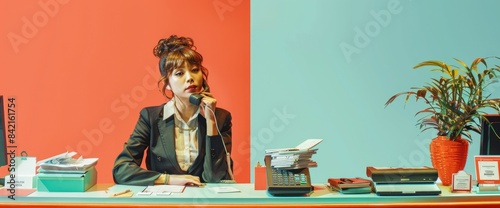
point(164, 189)
point(225, 189)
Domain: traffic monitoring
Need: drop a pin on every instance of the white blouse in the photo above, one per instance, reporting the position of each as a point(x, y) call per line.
point(186, 135)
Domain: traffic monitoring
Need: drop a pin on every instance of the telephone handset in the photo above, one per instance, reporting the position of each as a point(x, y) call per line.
point(195, 99)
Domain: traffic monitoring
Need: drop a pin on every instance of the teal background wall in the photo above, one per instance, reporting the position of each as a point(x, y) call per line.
point(325, 68)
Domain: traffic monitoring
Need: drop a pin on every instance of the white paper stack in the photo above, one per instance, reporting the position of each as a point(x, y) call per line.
point(294, 158)
point(65, 163)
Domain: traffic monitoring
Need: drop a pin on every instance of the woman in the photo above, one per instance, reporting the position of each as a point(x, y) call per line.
point(184, 142)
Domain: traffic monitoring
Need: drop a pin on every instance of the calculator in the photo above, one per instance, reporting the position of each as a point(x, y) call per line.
point(287, 182)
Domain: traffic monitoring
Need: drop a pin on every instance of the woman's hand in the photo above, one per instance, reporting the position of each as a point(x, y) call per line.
point(184, 180)
point(208, 103)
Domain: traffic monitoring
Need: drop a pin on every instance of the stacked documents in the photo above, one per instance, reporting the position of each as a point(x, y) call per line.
point(66, 163)
point(294, 158)
point(66, 173)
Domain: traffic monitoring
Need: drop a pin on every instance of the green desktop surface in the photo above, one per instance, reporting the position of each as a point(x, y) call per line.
point(100, 194)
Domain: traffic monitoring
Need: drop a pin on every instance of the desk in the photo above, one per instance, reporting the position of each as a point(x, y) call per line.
point(205, 197)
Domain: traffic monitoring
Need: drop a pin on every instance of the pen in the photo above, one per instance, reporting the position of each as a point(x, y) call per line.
point(121, 193)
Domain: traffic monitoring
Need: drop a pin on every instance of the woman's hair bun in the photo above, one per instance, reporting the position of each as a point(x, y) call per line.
point(170, 44)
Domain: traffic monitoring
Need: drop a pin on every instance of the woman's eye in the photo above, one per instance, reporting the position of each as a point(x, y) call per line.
point(178, 73)
point(195, 70)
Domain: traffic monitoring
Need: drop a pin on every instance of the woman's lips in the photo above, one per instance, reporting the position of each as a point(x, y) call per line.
point(191, 88)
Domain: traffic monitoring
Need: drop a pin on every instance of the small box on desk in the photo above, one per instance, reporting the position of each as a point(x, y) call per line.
point(20, 181)
point(23, 173)
point(67, 182)
point(260, 179)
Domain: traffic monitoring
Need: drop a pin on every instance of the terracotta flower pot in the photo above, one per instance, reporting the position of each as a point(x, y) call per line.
point(448, 157)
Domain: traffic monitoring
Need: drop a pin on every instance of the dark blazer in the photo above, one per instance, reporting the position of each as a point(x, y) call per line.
point(155, 136)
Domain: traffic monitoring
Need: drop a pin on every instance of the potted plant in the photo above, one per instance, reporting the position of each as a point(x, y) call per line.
point(455, 104)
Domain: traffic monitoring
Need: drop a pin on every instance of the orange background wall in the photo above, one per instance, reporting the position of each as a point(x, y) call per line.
point(81, 70)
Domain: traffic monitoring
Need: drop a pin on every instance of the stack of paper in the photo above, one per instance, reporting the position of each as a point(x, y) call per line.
point(65, 163)
point(294, 158)
point(66, 173)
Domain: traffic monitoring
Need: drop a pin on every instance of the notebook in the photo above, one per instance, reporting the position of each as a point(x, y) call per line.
point(407, 189)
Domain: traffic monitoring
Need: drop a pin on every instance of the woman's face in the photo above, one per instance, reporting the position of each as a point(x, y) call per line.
point(186, 80)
